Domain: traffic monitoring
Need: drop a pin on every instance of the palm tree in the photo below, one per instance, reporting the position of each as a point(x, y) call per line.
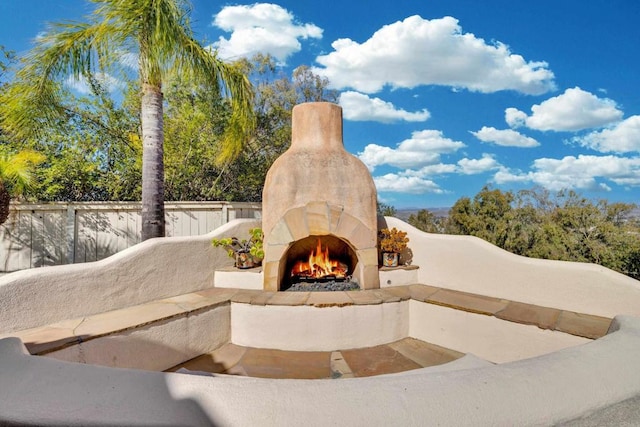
point(158, 32)
point(16, 177)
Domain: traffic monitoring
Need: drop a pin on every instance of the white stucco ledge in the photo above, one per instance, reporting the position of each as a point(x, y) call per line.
point(546, 390)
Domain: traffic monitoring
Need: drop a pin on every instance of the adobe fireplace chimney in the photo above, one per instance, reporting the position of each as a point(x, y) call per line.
point(317, 191)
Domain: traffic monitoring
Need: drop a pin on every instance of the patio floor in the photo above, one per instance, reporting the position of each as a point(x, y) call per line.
point(403, 355)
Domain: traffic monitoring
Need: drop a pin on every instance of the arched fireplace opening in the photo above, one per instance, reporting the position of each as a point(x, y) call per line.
point(318, 259)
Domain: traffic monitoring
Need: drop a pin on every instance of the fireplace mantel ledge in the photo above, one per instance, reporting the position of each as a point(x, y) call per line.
point(253, 278)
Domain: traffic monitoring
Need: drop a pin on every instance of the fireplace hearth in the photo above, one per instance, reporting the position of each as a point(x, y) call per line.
point(319, 199)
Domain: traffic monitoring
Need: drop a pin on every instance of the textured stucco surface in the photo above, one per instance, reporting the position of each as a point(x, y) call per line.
point(544, 390)
point(307, 328)
point(485, 336)
point(470, 264)
point(151, 270)
point(159, 268)
point(156, 346)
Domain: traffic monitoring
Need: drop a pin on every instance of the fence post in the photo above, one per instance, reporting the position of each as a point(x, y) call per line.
point(225, 213)
point(70, 234)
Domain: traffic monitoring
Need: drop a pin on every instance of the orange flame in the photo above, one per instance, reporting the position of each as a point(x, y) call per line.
point(319, 265)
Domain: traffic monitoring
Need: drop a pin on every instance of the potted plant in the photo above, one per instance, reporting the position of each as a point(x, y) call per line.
point(247, 253)
point(392, 243)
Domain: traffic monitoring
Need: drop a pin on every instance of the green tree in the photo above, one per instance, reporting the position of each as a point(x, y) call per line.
point(16, 177)
point(158, 32)
point(566, 226)
point(385, 209)
point(16, 168)
point(276, 95)
point(195, 116)
point(598, 232)
point(425, 220)
point(461, 218)
point(486, 216)
point(92, 149)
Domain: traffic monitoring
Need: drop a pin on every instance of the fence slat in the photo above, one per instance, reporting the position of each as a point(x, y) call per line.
point(60, 233)
point(54, 229)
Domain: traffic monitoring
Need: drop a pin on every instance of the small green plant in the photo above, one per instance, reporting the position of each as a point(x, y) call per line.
point(241, 250)
point(393, 240)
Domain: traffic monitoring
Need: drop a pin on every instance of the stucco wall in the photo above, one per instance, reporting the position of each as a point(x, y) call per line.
point(159, 268)
point(307, 328)
point(484, 336)
point(545, 390)
point(157, 346)
point(151, 270)
point(472, 265)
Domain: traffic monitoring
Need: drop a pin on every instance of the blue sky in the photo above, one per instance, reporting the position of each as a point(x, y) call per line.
point(441, 97)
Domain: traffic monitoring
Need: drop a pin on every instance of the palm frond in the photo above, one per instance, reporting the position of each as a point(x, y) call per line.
point(17, 170)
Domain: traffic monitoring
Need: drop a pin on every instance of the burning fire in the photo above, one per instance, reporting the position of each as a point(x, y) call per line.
point(319, 265)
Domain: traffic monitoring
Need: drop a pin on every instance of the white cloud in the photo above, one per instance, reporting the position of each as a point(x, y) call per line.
point(261, 28)
point(431, 170)
point(515, 118)
point(360, 107)
point(573, 110)
point(406, 184)
point(505, 137)
point(624, 137)
point(476, 166)
point(423, 148)
point(580, 172)
point(81, 85)
point(418, 51)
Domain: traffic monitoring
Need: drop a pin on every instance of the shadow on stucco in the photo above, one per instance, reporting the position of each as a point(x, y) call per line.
point(45, 391)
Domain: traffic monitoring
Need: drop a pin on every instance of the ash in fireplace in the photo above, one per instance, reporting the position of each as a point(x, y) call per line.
point(324, 286)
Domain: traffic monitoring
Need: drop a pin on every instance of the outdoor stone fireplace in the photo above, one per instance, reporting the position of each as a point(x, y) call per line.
point(319, 198)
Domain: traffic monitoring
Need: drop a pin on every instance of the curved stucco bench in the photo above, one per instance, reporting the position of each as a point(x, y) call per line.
point(160, 334)
point(544, 390)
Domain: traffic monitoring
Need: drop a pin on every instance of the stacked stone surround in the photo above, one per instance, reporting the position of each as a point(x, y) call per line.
point(316, 188)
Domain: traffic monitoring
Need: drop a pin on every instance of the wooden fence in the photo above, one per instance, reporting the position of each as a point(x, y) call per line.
point(37, 235)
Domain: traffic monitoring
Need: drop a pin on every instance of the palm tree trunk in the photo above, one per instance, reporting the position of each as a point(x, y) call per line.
point(152, 162)
point(5, 198)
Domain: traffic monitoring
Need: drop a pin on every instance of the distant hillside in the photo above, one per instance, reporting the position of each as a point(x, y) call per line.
point(443, 212)
point(404, 214)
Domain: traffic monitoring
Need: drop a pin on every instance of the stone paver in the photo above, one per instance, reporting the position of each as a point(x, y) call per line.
point(423, 353)
point(188, 302)
point(267, 363)
point(377, 360)
point(385, 295)
point(215, 295)
point(422, 292)
point(339, 367)
point(583, 325)
point(403, 292)
point(529, 314)
point(289, 298)
point(52, 337)
point(467, 302)
point(126, 318)
point(329, 299)
point(364, 298)
point(399, 356)
point(245, 296)
point(222, 360)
